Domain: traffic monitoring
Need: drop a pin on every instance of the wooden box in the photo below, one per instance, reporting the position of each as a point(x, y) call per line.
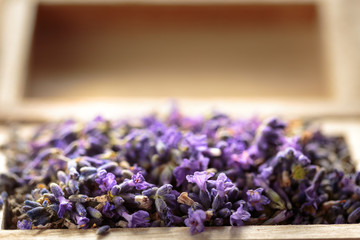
point(123, 58)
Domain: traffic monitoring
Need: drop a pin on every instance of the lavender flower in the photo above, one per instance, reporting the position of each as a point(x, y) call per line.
point(244, 160)
point(222, 185)
point(137, 219)
point(196, 221)
point(105, 180)
point(239, 217)
point(256, 199)
point(200, 178)
point(139, 182)
point(65, 205)
point(187, 167)
point(108, 210)
point(81, 220)
point(24, 225)
point(195, 143)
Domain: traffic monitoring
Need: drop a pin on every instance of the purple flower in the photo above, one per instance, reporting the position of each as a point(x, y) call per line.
point(137, 219)
point(108, 210)
point(24, 225)
point(81, 220)
point(256, 199)
point(105, 180)
point(64, 204)
point(195, 221)
point(270, 137)
point(186, 167)
point(244, 160)
point(293, 155)
point(139, 182)
point(171, 137)
point(195, 143)
point(200, 179)
point(223, 184)
point(238, 217)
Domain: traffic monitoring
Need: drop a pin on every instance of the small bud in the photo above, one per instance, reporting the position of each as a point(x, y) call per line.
point(115, 190)
point(127, 174)
point(56, 190)
point(86, 171)
point(32, 204)
point(215, 152)
point(118, 201)
point(354, 215)
point(144, 202)
point(74, 174)
point(285, 179)
point(103, 230)
point(276, 201)
point(94, 213)
point(209, 214)
point(78, 198)
point(73, 186)
point(36, 213)
point(217, 202)
point(218, 222)
point(122, 224)
point(224, 213)
point(80, 209)
point(185, 199)
point(205, 198)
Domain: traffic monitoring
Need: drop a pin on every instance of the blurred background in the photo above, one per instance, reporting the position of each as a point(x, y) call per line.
point(125, 57)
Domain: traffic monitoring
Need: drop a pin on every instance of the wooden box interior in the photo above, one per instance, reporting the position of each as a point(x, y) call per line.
point(129, 57)
point(251, 50)
point(80, 57)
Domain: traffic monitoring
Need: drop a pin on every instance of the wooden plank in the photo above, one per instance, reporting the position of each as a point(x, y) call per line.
point(177, 2)
point(41, 110)
point(343, 231)
point(18, 22)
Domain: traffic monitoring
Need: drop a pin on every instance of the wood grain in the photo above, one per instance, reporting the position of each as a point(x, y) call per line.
point(343, 231)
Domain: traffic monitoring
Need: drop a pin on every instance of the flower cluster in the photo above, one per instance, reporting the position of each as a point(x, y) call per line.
point(180, 171)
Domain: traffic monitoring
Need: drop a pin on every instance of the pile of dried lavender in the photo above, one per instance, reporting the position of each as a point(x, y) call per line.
point(181, 171)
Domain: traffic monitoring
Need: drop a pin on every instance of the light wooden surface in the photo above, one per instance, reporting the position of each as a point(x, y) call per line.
point(343, 231)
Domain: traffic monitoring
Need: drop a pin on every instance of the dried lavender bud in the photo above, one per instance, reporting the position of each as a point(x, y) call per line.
point(78, 198)
point(144, 202)
point(354, 216)
point(24, 225)
point(94, 213)
point(32, 204)
point(73, 186)
point(74, 173)
point(56, 190)
point(103, 230)
point(80, 209)
point(36, 213)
